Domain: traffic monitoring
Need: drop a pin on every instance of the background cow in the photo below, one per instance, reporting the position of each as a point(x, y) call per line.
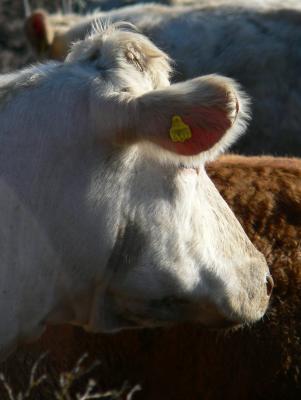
point(257, 43)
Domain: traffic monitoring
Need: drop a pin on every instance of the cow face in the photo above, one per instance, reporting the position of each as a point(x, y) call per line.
point(112, 219)
point(179, 253)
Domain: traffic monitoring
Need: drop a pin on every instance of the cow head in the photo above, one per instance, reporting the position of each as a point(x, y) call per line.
point(178, 251)
point(115, 216)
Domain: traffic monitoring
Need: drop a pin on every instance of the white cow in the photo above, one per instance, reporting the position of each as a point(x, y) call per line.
point(254, 42)
point(108, 219)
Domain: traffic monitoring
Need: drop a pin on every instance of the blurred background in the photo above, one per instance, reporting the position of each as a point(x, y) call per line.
point(14, 51)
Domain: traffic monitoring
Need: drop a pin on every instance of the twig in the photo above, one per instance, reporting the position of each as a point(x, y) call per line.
point(7, 387)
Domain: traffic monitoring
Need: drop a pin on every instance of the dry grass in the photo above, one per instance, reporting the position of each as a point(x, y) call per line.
point(66, 383)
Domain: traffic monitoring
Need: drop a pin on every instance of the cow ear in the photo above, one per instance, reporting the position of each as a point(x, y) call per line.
point(39, 31)
point(198, 118)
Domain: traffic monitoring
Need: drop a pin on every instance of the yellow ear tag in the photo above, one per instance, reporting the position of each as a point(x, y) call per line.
point(179, 131)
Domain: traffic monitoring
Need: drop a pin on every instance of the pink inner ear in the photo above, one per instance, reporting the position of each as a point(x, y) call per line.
point(207, 126)
point(38, 23)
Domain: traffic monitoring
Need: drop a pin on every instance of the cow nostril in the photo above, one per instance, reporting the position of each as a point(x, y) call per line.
point(270, 284)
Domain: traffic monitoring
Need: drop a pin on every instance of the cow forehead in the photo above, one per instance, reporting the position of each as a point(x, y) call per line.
point(113, 48)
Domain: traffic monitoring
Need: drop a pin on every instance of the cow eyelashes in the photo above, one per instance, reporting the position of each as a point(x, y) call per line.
point(134, 58)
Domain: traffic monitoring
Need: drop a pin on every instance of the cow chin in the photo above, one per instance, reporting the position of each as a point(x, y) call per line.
point(118, 315)
point(115, 323)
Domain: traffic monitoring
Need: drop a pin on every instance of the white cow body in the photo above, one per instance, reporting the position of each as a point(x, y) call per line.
point(100, 226)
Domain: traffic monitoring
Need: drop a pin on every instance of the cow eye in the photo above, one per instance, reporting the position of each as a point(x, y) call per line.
point(134, 58)
point(94, 55)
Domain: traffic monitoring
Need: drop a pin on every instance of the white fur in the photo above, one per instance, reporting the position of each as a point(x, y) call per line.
point(93, 232)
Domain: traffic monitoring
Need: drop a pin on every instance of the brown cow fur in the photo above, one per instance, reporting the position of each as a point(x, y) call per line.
point(262, 361)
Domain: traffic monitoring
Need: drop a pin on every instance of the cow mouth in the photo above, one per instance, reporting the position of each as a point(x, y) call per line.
point(133, 321)
point(169, 312)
